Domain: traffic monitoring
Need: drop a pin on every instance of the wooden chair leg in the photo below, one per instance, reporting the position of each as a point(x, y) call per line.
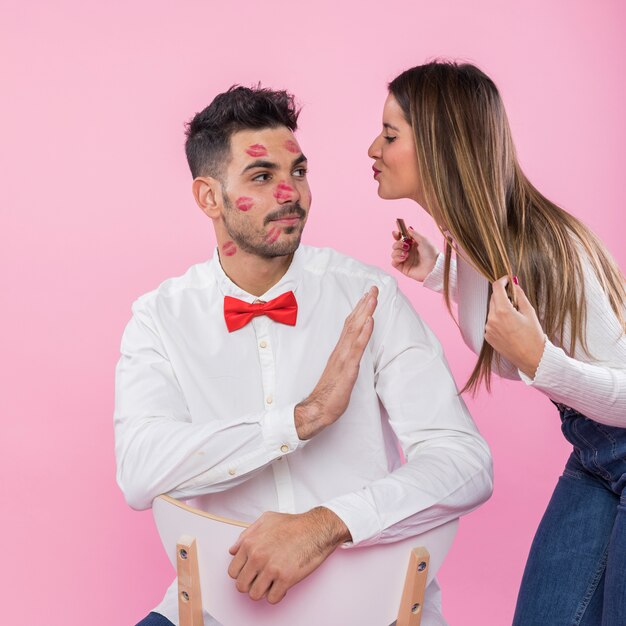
point(189, 598)
point(412, 602)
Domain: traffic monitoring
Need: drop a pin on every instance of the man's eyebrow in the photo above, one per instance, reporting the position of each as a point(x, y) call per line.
point(266, 165)
point(270, 165)
point(392, 127)
point(300, 159)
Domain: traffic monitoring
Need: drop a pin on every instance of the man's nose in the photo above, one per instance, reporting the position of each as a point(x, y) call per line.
point(285, 192)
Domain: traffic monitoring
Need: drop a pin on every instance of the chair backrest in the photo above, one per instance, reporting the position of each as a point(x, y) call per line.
point(353, 586)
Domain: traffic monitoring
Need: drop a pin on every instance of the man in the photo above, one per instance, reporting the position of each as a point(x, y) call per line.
point(241, 386)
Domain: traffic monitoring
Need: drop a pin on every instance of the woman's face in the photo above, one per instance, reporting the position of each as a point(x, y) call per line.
point(395, 159)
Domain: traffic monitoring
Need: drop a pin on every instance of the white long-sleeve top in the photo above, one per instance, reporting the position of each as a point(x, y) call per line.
point(594, 383)
point(206, 414)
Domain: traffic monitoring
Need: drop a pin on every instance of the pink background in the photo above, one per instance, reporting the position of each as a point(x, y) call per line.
point(96, 209)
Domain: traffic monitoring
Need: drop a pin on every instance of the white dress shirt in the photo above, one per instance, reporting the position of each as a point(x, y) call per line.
point(592, 382)
point(206, 414)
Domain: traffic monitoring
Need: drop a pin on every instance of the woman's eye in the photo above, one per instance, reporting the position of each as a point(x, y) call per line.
point(389, 138)
point(300, 172)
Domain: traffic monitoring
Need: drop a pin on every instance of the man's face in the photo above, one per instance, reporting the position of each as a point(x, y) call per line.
point(266, 196)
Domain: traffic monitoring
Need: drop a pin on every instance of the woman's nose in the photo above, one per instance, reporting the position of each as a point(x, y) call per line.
point(374, 150)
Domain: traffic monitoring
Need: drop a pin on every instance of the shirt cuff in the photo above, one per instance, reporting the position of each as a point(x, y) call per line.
point(358, 515)
point(548, 365)
point(279, 430)
point(434, 280)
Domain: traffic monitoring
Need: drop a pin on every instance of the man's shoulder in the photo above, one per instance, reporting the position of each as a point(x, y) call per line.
point(328, 261)
point(197, 277)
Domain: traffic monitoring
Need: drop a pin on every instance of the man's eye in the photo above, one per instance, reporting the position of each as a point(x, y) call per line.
point(300, 172)
point(389, 138)
point(261, 177)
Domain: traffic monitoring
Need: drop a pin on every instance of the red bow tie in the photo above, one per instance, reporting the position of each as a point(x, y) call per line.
point(238, 313)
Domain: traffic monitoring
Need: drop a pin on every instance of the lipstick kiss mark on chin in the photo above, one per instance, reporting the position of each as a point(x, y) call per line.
point(229, 248)
point(257, 150)
point(292, 146)
point(272, 235)
point(244, 203)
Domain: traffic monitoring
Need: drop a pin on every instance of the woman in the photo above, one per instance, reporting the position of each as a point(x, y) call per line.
point(446, 144)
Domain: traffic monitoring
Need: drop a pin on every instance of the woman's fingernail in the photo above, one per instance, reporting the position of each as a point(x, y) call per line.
point(515, 280)
point(405, 245)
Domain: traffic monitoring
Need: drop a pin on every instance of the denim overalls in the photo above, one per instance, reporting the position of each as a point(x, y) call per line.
point(576, 570)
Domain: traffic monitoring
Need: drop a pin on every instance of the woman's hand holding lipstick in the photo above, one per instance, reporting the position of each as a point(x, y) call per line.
point(415, 257)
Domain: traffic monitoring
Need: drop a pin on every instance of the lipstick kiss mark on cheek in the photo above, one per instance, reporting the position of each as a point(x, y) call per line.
point(292, 146)
point(257, 150)
point(283, 191)
point(244, 203)
point(229, 248)
point(272, 235)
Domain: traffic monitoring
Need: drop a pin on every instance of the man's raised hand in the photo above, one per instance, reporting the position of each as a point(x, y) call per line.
point(330, 398)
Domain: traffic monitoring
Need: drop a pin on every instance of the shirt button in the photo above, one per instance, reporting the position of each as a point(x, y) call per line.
point(232, 471)
point(284, 448)
point(269, 399)
point(263, 344)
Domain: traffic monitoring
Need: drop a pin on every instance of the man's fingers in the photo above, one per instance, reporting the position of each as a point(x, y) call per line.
point(246, 578)
point(355, 335)
point(260, 585)
point(359, 307)
point(277, 592)
point(237, 564)
point(235, 547)
point(361, 311)
point(364, 337)
point(356, 324)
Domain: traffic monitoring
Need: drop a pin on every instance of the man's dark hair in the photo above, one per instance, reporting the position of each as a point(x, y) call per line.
point(239, 108)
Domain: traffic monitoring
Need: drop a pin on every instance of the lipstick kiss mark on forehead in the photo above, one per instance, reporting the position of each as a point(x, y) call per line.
point(292, 146)
point(283, 191)
point(244, 203)
point(257, 150)
point(272, 235)
point(229, 248)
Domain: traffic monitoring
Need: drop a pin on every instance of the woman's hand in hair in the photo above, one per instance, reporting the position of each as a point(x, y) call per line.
point(415, 259)
point(515, 333)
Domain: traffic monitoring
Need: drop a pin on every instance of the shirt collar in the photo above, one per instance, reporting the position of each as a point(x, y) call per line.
point(289, 282)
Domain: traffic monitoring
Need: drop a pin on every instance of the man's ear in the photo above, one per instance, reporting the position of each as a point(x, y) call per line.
point(207, 192)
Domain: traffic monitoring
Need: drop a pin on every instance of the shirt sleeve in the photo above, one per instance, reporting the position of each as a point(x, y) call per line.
point(448, 469)
point(434, 280)
point(592, 381)
point(160, 449)
point(596, 391)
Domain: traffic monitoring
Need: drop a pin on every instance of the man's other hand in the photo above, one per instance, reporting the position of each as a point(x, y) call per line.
point(281, 549)
point(331, 395)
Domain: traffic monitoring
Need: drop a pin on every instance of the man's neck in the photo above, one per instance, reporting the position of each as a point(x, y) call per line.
point(255, 275)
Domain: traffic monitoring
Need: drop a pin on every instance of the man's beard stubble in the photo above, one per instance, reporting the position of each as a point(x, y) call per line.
point(255, 243)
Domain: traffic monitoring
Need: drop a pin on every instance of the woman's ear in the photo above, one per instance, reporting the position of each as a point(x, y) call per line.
point(207, 192)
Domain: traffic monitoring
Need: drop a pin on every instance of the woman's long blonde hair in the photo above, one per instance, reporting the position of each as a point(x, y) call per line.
point(476, 190)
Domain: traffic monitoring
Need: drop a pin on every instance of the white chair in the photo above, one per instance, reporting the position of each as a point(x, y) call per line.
point(353, 587)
